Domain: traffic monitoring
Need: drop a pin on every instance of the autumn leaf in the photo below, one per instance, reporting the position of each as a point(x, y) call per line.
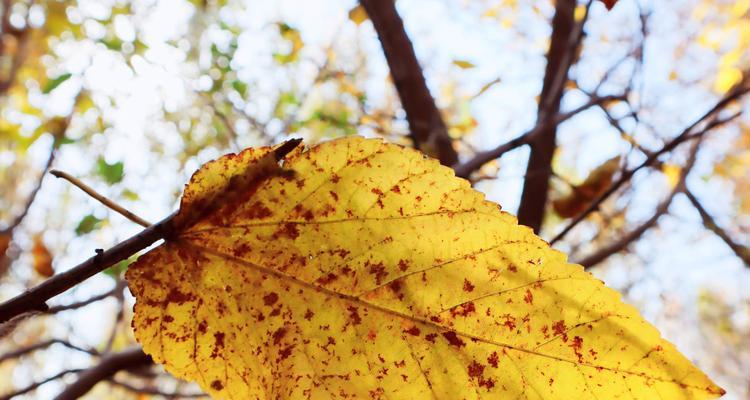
point(358, 15)
point(359, 269)
point(463, 64)
point(42, 258)
point(582, 195)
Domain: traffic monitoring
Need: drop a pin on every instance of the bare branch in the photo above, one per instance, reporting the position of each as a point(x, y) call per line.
point(101, 198)
point(108, 366)
point(35, 385)
point(566, 37)
point(42, 345)
point(464, 170)
point(154, 392)
point(686, 135)
point(743, 252)
point(626, 239)
point(80, 304)
point(428, 130)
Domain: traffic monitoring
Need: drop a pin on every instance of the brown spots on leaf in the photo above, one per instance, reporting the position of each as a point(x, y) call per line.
point(430, 337)
point(475, 369)
point(576, 344)
point(327, 279)
point(257, 211)
point(270, 299)
point(413, 331)
point(377, 269)
point(177, 297)
point(512, 268)
point(493, 359)
point(202, 327)
point(168, 318)
point(463, 310)
point(403, 265)
point(396, 189)
point(278, 335)
point(218, 344)
point(559, 329)
point(509, 321)
point(217, 385)
point(335, 178)
point(285, 352)
point(377, 191)
point(309, 314)
point(334, 195)
point(528, 298)
point(453, 339)
point(288, 230)
point(354, 315)
point(468, 286)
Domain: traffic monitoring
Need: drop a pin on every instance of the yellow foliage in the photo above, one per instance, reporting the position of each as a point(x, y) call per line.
point(673, 173)
point(358, 269)
point(463, 64)
point(358, 15)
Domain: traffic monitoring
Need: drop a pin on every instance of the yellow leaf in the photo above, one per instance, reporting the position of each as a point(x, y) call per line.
point(358, 269)
point(358, 14)
point(582, 195)
point(672, 173)
point(727, 78)
point(463, 64)
point(42, 258)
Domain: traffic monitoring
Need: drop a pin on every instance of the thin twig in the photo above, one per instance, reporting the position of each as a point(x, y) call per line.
point(464, 170)
point(100, 198)
point(35, 385)
point(80, 304)
point(624, 240)
point(41, 345)
point(684, 136)
point(107, 367)
point(743, 252)
point(154, 392)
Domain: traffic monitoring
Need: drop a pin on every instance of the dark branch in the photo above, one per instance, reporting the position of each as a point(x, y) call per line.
point(565, 40)
point(154, 392)
point(35, 385)
point(743, 252)
point(686, 135)
point(35, 299)
point(108, 366)
point(428, 130)
point(464, 170)
point(625, 240)
point(42, 345)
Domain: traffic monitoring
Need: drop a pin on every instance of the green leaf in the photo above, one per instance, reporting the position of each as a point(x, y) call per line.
point(112, 173)
point(130, 195)
point(53, 83)
point(118, 269)
point(88, 224)
point(240, 87)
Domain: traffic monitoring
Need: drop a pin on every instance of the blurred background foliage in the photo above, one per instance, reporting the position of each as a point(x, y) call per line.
point(132, 97)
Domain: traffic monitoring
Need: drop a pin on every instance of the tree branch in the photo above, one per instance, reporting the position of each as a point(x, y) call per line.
point(464, 170)
point(154, 392)
point(35, 385)
point(100, 198)
point(743, 252)
point(625, 240)
point(565, 39)
point(35, 299)
point(41, 345)
point(428, 130)
point(686, 135)
point(108, 366)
